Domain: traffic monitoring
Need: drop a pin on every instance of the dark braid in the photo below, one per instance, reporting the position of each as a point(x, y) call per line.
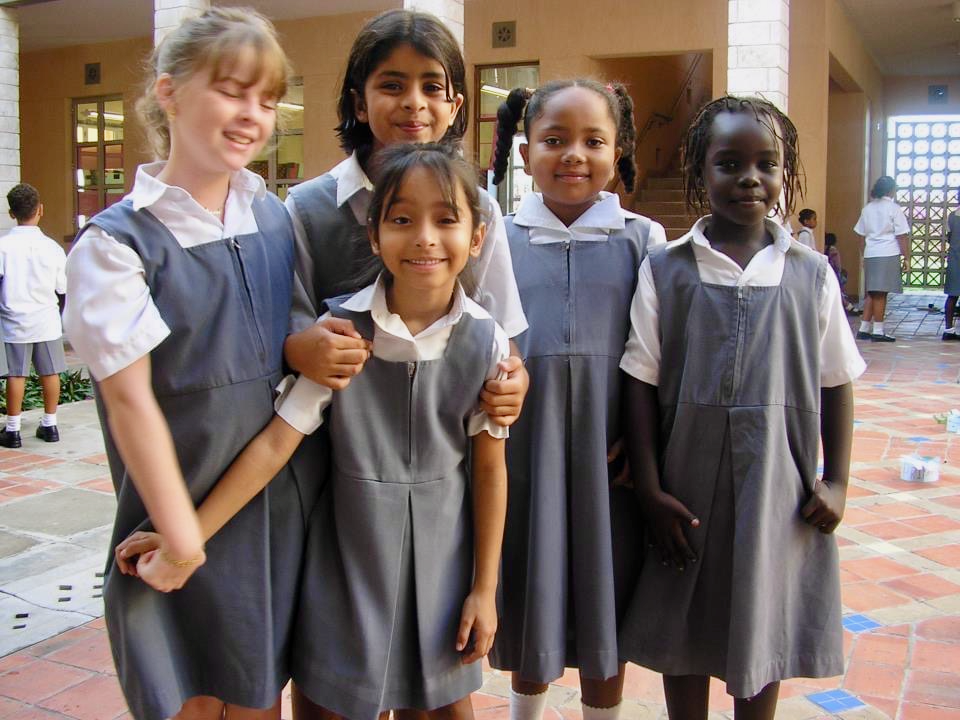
point(531, 104)
point(697, 139)
point(626, 137)
point(508, 116)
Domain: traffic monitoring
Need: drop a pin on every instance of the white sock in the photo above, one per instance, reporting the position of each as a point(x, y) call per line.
point(878, 328)
point(865, 326)
point(48, 420)
point(527, 707)
point(13, 423)
point(950, 329)
point(592, 713)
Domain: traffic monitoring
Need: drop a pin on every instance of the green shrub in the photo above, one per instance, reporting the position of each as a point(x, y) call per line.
point(73, 387)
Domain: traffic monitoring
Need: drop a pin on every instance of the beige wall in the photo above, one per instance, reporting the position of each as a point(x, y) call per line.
point(908, 95)
point(845, 177)
point(49, 80)
point(570, 38)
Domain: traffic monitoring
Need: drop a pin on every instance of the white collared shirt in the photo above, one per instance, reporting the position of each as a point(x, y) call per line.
point(595, 225)
point(805, 237)
point(840, 361)
point(303, 405)
point(110, 317)
point(32, 273)
point(493, 270)
point(880, 222)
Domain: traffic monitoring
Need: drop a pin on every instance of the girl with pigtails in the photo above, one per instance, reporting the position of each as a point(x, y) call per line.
point(569, 544)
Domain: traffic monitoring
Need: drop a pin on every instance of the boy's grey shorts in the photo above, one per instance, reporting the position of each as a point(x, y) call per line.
point(48, 358)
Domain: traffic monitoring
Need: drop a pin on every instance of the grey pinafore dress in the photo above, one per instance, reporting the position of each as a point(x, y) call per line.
point(226, 633)
point(569, 559)
point(951, 280)
point(391, 545)
point(739, 394)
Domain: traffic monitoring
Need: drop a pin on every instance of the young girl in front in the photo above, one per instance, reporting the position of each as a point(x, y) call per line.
point(570, 541)
point(405, 81)
point(403, 599)
point(740, 360)
point(180, 303)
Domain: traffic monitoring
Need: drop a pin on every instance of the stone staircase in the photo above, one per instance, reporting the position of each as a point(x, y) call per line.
point(661, 199)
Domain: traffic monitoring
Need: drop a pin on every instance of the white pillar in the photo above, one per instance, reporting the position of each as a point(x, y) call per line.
point(167, 14)
point(758, 38)
point(450, 11)
point(9, 110)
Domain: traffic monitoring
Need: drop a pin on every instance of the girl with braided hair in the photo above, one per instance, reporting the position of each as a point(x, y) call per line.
point(569, 539)
point(740, 361)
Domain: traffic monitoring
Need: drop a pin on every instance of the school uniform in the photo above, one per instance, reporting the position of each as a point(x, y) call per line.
point(391, 546)
point(951, 279)
point(209, 302)
point(569, 545)
point(744, 355)
point(32, 274)
point(805, 237)
point(334, 256)
point(880, 222)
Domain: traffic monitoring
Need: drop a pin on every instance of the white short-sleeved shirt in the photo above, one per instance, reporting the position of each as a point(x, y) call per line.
point(805, 237)
point(881, 221)
point(595, 225)
point(493, 270)
point(302, 405)
point(840, 361)
point(110, 316)
point(32, 274)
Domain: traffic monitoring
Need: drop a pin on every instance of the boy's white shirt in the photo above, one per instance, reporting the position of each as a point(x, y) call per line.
point(301, 403)
point(110, 316)
point(32, 273)
point(595, 225)
point(493, 270)
point(840, 361)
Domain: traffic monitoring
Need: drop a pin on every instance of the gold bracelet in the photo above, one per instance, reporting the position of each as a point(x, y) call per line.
point(195, 560)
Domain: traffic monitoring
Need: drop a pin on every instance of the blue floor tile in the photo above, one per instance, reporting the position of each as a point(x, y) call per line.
point(918, 439)
point(835, 701)
point(859, 623)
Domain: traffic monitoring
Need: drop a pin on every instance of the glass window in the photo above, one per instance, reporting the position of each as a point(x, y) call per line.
point(280, 163)
point(98, 156)
point(494, 83)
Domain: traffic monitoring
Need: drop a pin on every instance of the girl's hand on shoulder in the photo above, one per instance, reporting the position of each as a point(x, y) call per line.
point(329, 352)
point(478, 626)
point(164, 573)
point(824, 509)
point(137, 543)
point(502, 399)
point(668, 521)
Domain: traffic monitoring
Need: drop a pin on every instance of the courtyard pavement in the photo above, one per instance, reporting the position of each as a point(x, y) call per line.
point(900, 551)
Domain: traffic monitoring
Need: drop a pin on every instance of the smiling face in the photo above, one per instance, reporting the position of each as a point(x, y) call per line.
point(405, 99)
point(743, 169)
point(423, 239)
point(571, 152)
point(218, 124)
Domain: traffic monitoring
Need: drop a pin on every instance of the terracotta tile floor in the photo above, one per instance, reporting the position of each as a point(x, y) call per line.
point(900, 550)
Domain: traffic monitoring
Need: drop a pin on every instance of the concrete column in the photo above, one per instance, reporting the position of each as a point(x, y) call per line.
point(450, 11)
point(167, 14)
point(9, 109)
point(758, 37)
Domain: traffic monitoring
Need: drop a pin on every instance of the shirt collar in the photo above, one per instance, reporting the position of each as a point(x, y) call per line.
point(373, 299)
point(604, 214)
point(25, 230)
point(148, 190)
point(351, 179)
point(781, 238)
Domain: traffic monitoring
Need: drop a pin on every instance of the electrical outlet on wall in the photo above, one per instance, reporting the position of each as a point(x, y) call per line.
point(505, 34)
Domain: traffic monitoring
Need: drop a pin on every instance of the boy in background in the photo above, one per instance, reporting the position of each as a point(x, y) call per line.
point(32, 276)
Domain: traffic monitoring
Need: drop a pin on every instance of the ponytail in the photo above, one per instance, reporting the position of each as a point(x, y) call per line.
point(626, 137)
point(508, 116)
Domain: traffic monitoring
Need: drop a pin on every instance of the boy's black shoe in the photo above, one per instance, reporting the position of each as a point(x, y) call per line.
point(883, 338)
point(864, 335)
point(10, 439)
point(48, 434)
point(950, 336)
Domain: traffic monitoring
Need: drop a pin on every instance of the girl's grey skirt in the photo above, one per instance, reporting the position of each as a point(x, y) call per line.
point(882, 274)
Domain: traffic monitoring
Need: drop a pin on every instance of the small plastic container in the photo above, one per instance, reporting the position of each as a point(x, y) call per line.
point(953, 421)
point(919, 468)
